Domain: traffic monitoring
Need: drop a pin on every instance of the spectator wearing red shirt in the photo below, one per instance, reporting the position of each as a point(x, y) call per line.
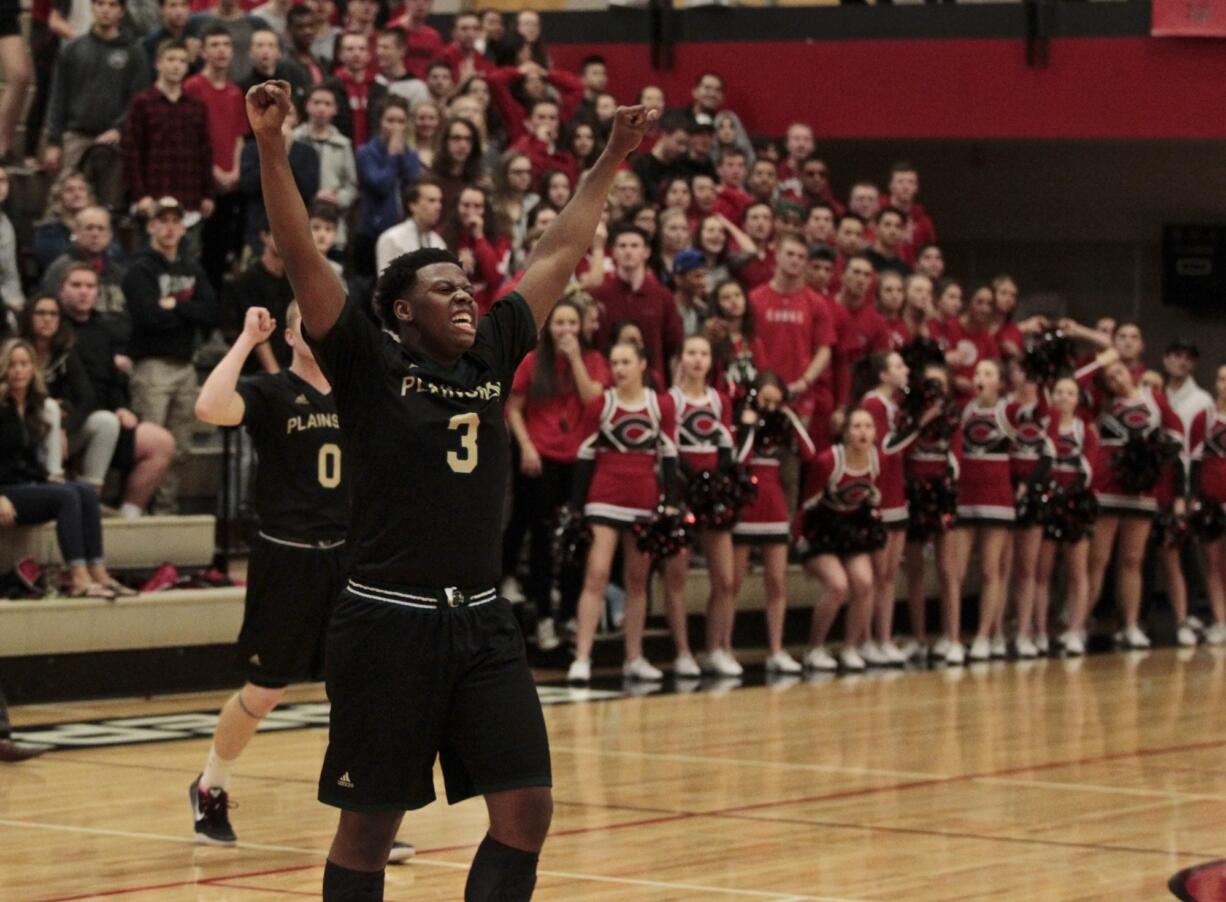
point(548, 394)
point(163, 136)
point(357, 92)
point(819, 224)
point(930, 261)
point(820, 271)
point(702, 192)
point(813, 185)
point(515, 91)
point(918, 229)
point(887, 252)
point(891, 298)
point(360, 18)
point(422, 43)
point(798, 144)
point(227, 123)
point(471, 232)
point(864, 200)
point(760, 227)
point(865, 330)
point(1008, 334)
point(632, 294)
point(763, 182)
point(794, 326)
point(848, 243)
point(462, 53)
point(970, 339)
point(731, 198)
point(540, 143)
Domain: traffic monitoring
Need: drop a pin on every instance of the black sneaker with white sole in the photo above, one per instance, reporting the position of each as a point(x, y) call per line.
point(401, 852)
point(210, 808)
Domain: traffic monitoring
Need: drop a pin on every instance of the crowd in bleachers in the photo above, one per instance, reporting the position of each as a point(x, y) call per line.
point(741, 335)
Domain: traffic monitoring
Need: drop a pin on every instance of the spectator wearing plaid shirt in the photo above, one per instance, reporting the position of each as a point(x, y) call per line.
point(166, 146)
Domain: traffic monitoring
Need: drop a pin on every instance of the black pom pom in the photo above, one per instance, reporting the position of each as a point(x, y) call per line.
point(1208, 520)
point(716, 497)
point(1033, 507)
point(1049, 356)
point(1170, 530)
point(829, 531)
point(932, 506)
point(664, 534)
point(1139, 463)
point(571, 537)
point(1071, 512)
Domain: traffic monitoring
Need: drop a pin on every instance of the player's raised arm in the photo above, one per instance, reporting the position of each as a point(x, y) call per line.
point(318, 291)
point(219, 402)
point(570, 235)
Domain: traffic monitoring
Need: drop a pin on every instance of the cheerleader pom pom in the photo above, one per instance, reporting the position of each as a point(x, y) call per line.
point(1140, 462)
point(933, 506)
point(1208, 520)
point(772, 431)
point(1034, 505)
point(706, 496)
point(571, 537)
point(827, 531)
point(1070, 515)
point(666, 534)
point(920, 353)
point(1170, 530)
point(1050, 356)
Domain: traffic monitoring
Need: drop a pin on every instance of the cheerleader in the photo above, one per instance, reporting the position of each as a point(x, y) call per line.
point(1125, 474)
point(985, 498)
point(891, 375)
point(769, 430)
point(842, 529)
point(1029, 460)
point(1074, 448)
point(704, 443)
point(1208, 489)
point(629, 428)
point(931, 470)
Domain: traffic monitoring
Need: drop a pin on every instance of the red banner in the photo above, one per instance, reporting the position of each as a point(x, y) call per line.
point(1189, 19)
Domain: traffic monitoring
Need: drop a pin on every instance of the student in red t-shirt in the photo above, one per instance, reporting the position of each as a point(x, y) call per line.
point(759, 226)
point(891, 297)
point(970, 340)
point(918, 229)
point(422, 43)
point(550, 389)
point(1007, 333)
point(864, 332)
point(485, 254)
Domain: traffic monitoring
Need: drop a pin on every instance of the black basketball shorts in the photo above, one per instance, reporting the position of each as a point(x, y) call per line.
point(411, 684)
point(291, 590)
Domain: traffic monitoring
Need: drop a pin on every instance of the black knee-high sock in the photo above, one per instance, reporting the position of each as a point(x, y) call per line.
point(344, 885)
point(501, 874)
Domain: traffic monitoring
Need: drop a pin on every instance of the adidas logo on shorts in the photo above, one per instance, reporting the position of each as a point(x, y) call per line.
point(344, 781)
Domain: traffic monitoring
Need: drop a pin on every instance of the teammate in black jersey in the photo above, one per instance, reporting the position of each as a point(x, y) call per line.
point(297, 560)
point(423, 659)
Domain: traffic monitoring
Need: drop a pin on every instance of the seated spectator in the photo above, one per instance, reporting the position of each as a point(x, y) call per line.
point(173, 15)
point(241, 26)
point(92, 432)
point(303, 161)
point(422, 43)
point(164, 141)
point(26, 495)
point(263, 284)
point(357, 92)
point(325, 222)
point(93, 243)
point(485, 253)
point(170, 303)
point(462, 53)
point(12, 297)
point(392, 73)
point(338, 174)
point(386, 167)
point(267, 64)
point(70, 194)
point(457, 159)
point(666, 159)
point(885, 253)
point(424, 201)
point(96, 77)
point(917, 228)
point(302, 28)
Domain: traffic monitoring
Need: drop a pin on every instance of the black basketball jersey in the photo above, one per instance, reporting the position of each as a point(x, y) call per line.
point(426, 446)
point(300, 489)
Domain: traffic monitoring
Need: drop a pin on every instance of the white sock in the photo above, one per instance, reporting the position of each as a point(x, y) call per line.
point(130, 511)
point(216, 771)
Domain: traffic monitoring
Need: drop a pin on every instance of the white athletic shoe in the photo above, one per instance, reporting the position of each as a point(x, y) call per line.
point(894, 656)
point(818, 658)
point(939, 649)
point(1216, 634)
point(546, 635)
point(850, 660)
point(1042, 643)
point(721, 663)
point(981, 650)
point(510, 590)
point(955, 653)
point(912, 650)
point(1026, 647)
point(1135, 639)
point(686, 666)
point(401, 852)
point(782, 662)
point(873, 655)
point(1073, 644)
point(580, 671)
point(641, 669)
point(1186, 636)
point(1000, 648)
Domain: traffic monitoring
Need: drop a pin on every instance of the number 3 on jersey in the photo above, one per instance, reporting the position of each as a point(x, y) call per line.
point(330, 465)
point(464, 460)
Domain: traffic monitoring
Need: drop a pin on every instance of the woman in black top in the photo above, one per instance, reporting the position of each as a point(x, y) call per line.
point(26, 495)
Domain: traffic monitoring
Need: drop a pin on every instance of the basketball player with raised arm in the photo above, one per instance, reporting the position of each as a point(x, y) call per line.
point(297, 560)
point(423, 658)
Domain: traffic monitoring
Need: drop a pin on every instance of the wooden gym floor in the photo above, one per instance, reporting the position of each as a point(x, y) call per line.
point(1053, 780)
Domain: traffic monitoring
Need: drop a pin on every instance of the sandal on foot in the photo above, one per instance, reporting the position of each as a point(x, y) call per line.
point(93, 590)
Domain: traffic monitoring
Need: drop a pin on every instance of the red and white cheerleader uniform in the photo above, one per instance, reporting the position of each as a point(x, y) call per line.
point(1121, 420)
point(1074, 450)
point(1208, 441)
point(704, 430)
point(891, 451)
point(766, 519)
point(838, 495)
point(1029, 442)
point(984, 442)
point(617, 460)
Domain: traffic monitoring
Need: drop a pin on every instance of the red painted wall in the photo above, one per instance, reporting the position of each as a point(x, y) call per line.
point(1129, 87)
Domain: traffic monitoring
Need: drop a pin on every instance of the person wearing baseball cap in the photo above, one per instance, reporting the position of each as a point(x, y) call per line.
point(1186, 397)
point(689, 277)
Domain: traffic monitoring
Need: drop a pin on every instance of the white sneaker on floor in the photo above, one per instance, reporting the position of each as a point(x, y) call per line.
point(911, 649)
point(580, 671)
point(955, 653)
point(510, 590)
point(546, 635)
point(872, 654)
point(1026, 647)
point(1073, 644)
point(894, 656)
point(851, 661)
point(686, 666)
point(641, 669)
point(981, 650)
point(1216, 634)
point(1186, 636)
point(1000, 648)
point(1135, 639)
point(1196, 623)
point(1042, 643)
point(782, 662)
point(940, 649)
point(818, 658)
point(721, 663)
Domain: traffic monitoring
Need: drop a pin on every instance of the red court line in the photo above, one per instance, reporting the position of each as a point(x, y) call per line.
point(121, 891)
